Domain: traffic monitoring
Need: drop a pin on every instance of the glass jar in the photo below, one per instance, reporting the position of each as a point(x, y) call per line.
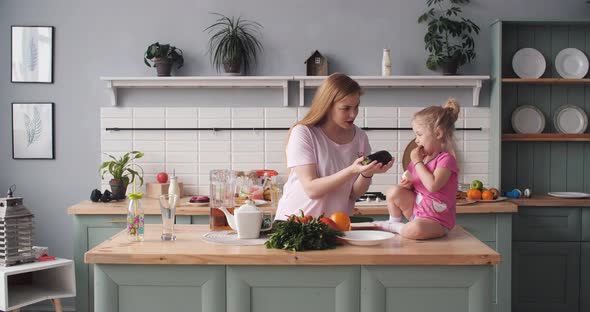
point(135, 219)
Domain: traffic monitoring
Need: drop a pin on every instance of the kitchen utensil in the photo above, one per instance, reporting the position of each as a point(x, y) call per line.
point(569, 194)
point(247, 220)
point(528, 63)
point(221, 195)
point(407, 151)
point(570, 119)
point(366, 238)
point(515, 193)
point(168, 203)
point(571, 63)
point(528, 119)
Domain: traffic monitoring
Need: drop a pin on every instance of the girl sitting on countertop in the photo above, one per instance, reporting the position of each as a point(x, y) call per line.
point(426, 194)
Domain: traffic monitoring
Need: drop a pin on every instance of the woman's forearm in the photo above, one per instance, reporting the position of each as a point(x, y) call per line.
point(360, 187)
point(316, 187)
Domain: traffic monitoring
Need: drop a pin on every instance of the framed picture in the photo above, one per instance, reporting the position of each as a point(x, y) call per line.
point(32, 54)
point(33, 130)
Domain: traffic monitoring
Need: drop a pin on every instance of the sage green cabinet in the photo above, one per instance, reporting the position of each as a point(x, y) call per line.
point(586, 225)
point(548, 224)
point(91, 230)
point(585, 276)
point(546, 276)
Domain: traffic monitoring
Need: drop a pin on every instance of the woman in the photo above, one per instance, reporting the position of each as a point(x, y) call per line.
point(324, 154)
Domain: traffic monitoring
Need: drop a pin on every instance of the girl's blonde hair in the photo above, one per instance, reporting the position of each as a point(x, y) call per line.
point(336, 87)
point(444, 118)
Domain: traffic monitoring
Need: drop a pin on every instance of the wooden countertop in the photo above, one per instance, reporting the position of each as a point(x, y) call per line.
point(458, 248)
point(151, 207)
point(550, 201)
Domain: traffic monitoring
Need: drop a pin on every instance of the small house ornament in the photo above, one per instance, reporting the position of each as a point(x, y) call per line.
point(317, 65)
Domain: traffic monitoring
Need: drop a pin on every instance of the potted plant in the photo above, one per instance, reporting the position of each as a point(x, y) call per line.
point(163, 56)
point(233, 44)
point(449, 38)
point(122, 172)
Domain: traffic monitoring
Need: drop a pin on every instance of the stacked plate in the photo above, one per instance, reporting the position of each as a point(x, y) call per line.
point(570, 119)
point(16, 232)
point(570, 63)
point(528, 119)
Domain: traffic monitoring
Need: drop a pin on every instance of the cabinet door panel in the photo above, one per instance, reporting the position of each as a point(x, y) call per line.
point(547, 224)
point(545, 276)
point(482, 226)
point(585, 285)
point(586, 224)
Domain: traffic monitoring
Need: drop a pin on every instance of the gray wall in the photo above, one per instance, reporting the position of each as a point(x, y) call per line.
point(108, 38)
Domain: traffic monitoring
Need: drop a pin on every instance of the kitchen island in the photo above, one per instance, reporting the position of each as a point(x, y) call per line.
point(491, 223)
point(454, 273)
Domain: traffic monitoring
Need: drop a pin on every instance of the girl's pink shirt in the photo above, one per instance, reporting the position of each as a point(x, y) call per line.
point(309, 145)
point(441, 205)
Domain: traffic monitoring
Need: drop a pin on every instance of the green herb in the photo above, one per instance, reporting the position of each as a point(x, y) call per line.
point(299, 236)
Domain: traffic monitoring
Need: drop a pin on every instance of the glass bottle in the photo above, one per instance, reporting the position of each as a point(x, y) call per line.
point(135, 218)
point(386, 63)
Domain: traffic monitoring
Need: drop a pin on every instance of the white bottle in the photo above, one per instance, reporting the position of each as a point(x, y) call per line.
point(386, 63)
point(173, 189)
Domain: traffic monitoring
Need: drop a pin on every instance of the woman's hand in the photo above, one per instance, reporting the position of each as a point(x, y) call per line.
point(358, 167)
point(417, 154)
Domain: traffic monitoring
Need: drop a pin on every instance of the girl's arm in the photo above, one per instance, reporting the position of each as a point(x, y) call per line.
point(432, 181)
point(316, 187)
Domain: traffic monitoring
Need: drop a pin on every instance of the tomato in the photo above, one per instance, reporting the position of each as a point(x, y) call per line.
point(342, 220)
point(329, 222)
point(297, 219)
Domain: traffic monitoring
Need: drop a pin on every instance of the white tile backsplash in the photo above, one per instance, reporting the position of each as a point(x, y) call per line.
point(194, 153)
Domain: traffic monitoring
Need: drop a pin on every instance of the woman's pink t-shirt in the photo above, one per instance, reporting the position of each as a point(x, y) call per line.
point(309, 145)
point(441, 205)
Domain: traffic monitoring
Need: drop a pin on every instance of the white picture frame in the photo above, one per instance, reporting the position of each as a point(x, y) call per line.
point(33, 131)
point(32, 54)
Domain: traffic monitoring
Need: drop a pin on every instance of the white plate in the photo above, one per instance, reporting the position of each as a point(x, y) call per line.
point(366, 238)
point(528, 63)
point(571, 63)
point(570, 119)
point(528, 119)
point(493, 200)
point(569, 194)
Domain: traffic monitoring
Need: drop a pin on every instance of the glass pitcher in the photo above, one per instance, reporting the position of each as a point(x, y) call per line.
point(221, 194)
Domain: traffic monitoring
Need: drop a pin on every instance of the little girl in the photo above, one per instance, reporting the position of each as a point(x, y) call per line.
point(426, 194)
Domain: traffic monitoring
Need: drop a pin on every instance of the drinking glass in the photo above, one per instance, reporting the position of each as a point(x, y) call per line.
point(221, 194)
point(168, 209)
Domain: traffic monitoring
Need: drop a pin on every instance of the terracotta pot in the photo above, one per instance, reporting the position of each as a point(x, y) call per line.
point(163, 66)
point(118, 189)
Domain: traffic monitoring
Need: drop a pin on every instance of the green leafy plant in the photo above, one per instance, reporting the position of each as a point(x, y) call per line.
point(303, 233)
point(233, 42)
point(449, 36)
point(163, 51)
point(121, 168)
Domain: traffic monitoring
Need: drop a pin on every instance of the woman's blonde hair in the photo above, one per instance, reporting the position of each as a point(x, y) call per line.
point(336, 87)
point(443, 118)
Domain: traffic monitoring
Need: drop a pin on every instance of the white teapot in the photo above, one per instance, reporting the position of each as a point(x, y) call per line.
point(247, 220)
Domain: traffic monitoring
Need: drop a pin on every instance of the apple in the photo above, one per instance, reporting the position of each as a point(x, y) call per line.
point(162, 177)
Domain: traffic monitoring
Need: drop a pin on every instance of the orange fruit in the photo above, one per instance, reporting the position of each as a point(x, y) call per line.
point(487, 195)
point(474, 194)
point(342, 220)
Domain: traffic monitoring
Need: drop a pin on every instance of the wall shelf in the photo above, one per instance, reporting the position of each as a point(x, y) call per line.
point(545, 81)
point(113, 83)
point(474, 82)
point(546, 137)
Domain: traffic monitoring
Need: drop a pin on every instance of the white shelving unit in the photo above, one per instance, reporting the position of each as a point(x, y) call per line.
point(25, 284)
point(474, 82)
point(113, 83)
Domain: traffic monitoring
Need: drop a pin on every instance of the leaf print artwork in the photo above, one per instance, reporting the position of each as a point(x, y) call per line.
point(33, 127)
